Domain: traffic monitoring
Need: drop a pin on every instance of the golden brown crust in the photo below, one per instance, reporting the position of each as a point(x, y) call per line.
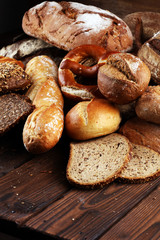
point(123, 78)
point(90, 119)
point(44, 127)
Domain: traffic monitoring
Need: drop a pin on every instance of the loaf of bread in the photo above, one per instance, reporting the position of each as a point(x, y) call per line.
point(13, 78)
point(39, 69)
point(67, 25)
point(13, 109)
point(150, 55)
point(44, 126)
point(22, 48)
point(143, 166)
point(123, 78)
point(90, 119)
point(150, 23)
point(141, 132)
point(99, 161)
point(148, 105)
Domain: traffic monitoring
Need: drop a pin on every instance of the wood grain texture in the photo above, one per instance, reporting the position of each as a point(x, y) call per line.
point(143, 222)
point(87, 215)
point(31, 187)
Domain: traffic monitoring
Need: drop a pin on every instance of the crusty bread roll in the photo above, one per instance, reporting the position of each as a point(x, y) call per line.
point(123, 78)
point(43, 127)
point(67, 25)
point(148, 105)
point(90, 119)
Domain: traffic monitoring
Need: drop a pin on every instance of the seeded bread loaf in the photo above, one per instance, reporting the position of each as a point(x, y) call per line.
point(143, 166)
point(12, 77)
point(13, 108)
point(98, 161)
point(141, 132)
point(67, 25)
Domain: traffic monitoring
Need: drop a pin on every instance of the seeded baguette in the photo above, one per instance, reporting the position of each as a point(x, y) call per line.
point(143, 166)
point(97, 162)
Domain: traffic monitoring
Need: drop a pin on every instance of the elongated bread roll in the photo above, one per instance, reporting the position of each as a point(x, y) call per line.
point(43, 128)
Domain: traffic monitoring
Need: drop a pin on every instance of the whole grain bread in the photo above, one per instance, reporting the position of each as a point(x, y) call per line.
point(99, 161)
point(143, 166)
point(12, 78)
point(13, 108)
point(141, 132)
point(67, 25)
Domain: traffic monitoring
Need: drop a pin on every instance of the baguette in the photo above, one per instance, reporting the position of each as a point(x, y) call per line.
point(67, 25)
point(44, 126)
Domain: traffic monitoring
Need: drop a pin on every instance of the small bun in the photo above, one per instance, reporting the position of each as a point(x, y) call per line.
point(123, 78)
point(90, 119)
point(148, 105)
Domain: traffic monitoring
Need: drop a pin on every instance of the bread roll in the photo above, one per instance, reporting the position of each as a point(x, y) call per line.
point(90, 119)
point(44, 126)
point(123, 78)
point(67, 25)
point(148, 105)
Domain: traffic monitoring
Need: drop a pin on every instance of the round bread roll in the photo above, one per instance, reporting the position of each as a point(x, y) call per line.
point(148, 105)
point(90, 119)
point(123, 78)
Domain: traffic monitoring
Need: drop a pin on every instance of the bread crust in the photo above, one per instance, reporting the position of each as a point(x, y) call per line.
point(150, 55)
point(67, 25)
point(90, 119)
point(102, 183)
point(148, 105)
point(123, 78)
point(141, 132)
point(44, 126)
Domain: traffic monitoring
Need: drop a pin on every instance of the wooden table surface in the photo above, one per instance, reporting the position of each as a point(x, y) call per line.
point(37, 202)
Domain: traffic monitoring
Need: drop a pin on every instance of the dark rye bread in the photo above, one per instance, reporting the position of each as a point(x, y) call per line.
point(143, 166)
point(12, 77)
point(13, 108)
point(97, 162)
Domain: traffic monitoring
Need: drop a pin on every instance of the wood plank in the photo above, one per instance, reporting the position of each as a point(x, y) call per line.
point(12, 151)
point(89, 214)
point(34, 185)
point(146, 224)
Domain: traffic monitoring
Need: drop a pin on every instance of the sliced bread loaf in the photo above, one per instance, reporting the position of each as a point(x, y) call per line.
point(143, 166)
point(98, 161)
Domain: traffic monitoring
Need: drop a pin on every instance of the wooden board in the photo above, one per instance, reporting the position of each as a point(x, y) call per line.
point(37, 200)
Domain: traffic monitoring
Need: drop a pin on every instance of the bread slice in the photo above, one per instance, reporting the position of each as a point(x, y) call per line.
point(143, 166)
point(98, 161)
point(13, 108)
